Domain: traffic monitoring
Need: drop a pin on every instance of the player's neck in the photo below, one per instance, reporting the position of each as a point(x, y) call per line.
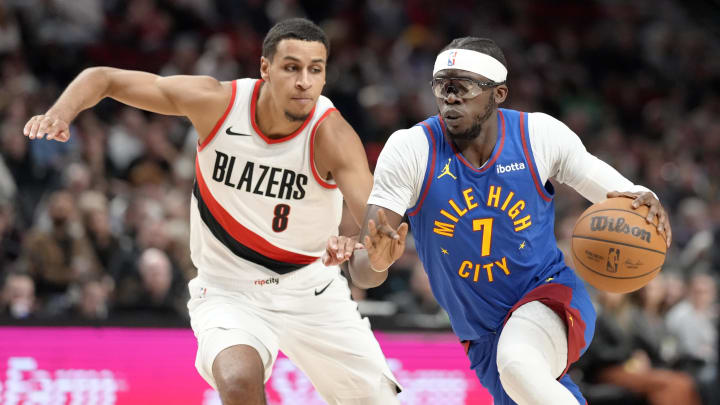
point(479, 150)
point(271, 118)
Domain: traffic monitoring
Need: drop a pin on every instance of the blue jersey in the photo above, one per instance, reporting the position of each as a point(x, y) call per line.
point(485, 235)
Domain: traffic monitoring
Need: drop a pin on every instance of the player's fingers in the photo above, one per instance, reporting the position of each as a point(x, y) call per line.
point(371, 228)
point(325, 258)
point(382, 218)
point(367, 241)
point(34, 127)
point(668, 232)
point(640, 200)
point(63, 136)
point(349, 247)
point(388, 231)
point(28, 125)
point(333, 242)
point(403, 231)
point(652, 212)
point(50, 126)
point(44, 127)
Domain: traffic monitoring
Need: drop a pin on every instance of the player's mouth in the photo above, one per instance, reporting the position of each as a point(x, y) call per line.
point(302, 100)
point(452, 115)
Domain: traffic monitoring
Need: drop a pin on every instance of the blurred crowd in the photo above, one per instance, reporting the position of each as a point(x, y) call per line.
point(98, 227)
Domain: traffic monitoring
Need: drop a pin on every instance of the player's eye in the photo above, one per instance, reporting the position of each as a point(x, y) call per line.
point(291, 68)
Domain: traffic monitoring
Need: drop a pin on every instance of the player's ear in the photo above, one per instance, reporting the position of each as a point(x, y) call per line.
point(264, 68)
point(500, 93)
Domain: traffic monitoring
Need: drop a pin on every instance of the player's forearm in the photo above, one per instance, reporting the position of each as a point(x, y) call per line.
point(86, 90)
point(362, 274)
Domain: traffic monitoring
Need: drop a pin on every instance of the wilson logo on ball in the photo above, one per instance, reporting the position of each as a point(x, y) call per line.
point(602, 222)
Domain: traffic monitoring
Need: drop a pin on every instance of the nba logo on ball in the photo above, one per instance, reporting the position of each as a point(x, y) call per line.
point(451, 58)
point(612, 261)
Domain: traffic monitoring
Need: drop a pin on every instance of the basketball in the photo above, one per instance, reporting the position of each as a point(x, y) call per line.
point(614, 248)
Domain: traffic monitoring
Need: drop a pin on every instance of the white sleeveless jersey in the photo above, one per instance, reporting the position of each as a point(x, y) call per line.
point(260, 211)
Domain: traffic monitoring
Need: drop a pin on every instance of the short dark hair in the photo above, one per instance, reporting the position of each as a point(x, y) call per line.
point(294, 28)
point(482, 45)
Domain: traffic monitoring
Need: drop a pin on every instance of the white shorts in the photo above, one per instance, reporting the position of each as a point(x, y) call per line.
point(318, 328)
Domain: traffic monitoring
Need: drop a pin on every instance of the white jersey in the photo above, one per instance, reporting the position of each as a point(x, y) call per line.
point(260, 211)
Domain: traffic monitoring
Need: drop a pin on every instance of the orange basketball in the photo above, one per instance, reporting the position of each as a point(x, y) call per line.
point(614, 248)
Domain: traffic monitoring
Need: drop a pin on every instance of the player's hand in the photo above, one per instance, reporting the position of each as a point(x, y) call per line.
point(48, 125)
point(384, 244)
point(656, 210)
point(339, 249)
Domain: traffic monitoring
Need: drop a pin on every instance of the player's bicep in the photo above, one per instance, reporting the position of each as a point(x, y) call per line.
point(172, 95)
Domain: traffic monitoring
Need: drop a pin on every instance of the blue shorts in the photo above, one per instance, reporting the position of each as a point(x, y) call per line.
point(565, 294)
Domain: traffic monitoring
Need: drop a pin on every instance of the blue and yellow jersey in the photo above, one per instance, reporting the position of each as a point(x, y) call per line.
point(485, 235)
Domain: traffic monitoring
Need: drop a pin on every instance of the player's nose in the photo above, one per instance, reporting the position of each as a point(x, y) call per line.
point(303, 81)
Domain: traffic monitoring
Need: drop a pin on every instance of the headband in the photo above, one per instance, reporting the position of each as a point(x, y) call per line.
point(472, 61)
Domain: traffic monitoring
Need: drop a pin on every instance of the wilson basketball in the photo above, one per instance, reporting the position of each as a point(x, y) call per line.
point(614, 248)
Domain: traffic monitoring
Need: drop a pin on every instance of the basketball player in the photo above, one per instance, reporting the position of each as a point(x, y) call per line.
point(274, 161)
point(473, 181)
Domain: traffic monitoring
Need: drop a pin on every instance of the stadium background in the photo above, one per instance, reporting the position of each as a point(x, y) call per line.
point(93, 233)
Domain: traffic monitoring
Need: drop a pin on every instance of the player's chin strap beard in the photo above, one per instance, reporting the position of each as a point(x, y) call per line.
point(476, 128)
point(293, 118)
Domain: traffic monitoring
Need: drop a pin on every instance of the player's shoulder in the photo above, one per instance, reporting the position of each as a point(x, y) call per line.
point(408, 141)
point(543, 120)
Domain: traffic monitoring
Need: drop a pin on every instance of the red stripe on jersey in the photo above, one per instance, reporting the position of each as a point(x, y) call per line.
point(253, 103)
point(540, 189)
point(431, 173)
point(492, 160)
point(217, 126)
point(312, 151)
point(242, 234)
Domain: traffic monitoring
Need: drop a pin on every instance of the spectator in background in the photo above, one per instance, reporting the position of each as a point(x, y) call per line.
point(614, 358)
point(17, 299)
point(154, 294)
point(93, 294)
point(50, 253)
point(417, 306)
point(10, 236)
point(693, 322)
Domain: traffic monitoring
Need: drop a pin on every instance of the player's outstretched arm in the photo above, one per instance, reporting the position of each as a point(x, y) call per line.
point(202, 99)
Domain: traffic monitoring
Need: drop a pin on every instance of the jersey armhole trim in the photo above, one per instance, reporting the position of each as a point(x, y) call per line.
point(221, 121)
point(429, 173)
point(315, 173)
point(529, 157)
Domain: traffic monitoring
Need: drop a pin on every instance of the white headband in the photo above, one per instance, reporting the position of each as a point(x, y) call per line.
point(476, 62)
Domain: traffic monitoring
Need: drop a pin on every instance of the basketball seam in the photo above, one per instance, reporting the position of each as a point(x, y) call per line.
point(618, 243)
point(615, 277)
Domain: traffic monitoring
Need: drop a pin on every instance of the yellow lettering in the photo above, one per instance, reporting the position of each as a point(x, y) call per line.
point(442, 228)
point(522, 223)
point(515, 210)
point(457, 209)
point(462, 272)
point(494, 196)
point(469, 198)
point(477, 273)
point(503, 265)
point(507, 201)
point(449, 215)
point(489, 267)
